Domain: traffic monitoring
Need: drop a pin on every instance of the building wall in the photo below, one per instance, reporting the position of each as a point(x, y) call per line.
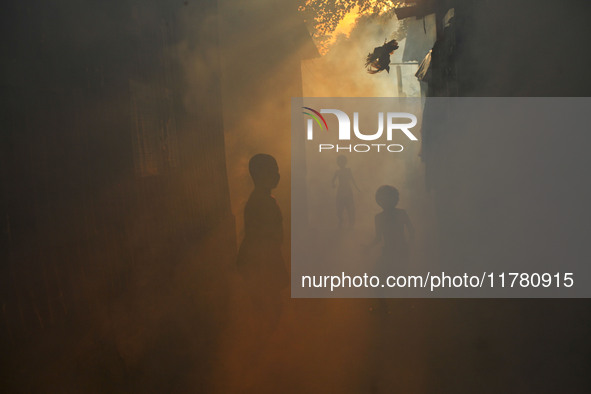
point(113, 172)
point(513, 197)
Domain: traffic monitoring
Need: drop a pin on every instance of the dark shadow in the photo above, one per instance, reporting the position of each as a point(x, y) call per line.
point(259, 259)
point(394, 230)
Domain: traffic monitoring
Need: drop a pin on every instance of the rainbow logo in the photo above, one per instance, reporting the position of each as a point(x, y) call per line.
point(315, 115)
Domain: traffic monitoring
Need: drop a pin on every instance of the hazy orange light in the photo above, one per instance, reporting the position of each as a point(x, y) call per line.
point(326, 31)
point(344, 27)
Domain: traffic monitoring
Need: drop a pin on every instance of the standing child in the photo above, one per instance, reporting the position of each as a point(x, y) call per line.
point(394, 229)
point(344, 199)
point(260, 259)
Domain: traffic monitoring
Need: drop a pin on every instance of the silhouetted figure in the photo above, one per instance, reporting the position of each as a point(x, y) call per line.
point(392, 227)
point(259, 259)
point(345, 201)
point(379, 59)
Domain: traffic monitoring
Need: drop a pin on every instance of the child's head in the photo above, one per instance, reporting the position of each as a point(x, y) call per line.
point(341, 161)
point(387, 197)
point(264, 171)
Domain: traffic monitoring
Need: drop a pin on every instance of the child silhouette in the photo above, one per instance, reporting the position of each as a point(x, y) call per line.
point(391, 225)
point(259, 259)
point(344, 198)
